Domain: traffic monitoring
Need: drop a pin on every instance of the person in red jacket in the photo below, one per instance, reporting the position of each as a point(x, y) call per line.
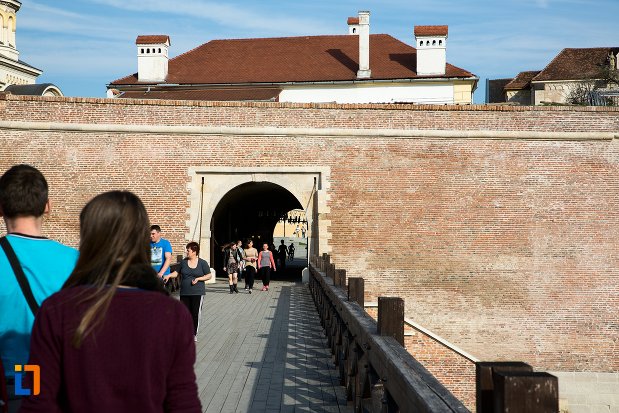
point(265, 264)
point(112, 340)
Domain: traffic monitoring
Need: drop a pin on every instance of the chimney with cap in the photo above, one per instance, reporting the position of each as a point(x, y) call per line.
point(431, 45)
point(353, 25)
point(364, 71)
point(152, 57)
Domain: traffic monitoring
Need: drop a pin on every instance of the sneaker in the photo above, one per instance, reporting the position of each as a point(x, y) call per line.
point(195, 338)
point(246, 288)
point(263, 288)
point(249, 291)
point(267, 287)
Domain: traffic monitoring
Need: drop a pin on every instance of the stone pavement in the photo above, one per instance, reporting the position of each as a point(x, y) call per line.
point(265, 352)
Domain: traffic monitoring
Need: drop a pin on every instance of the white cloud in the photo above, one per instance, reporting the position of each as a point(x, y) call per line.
point(222, 14)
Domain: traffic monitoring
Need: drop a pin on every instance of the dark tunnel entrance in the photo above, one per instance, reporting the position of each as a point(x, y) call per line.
point(251, 211)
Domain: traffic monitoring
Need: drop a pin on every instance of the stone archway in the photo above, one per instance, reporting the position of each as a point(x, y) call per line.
point(212, 188)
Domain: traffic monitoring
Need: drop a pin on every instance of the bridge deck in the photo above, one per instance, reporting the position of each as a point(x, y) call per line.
point(265, 352)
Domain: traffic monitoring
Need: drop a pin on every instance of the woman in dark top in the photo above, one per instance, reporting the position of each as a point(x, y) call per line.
point(194, 271)
point(232, 259)
point(112, 340)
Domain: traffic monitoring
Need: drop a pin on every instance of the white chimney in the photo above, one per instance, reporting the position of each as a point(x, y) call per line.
point(364, 71)
point(152, 58)
point(353, 25)
point(431, 45)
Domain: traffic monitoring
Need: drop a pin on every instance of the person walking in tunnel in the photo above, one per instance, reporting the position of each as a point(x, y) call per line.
point(265, 264)
point(251, 256)
point(291, 251)
point(232, 258)
point(239, 246)
point(193, 271)
point(282, 254)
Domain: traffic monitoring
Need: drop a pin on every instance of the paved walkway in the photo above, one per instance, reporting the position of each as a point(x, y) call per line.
point(265, 352)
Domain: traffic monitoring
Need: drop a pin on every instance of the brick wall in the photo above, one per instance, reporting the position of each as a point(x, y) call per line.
point(505, 247)
point(455, 372)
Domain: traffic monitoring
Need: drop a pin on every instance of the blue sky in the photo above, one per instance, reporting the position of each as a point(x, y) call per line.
point(83, 45)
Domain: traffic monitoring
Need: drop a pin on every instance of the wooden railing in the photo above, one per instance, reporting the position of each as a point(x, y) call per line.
point(381, 376)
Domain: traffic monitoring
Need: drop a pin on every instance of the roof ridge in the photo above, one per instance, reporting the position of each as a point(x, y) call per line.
point(546, 67)
point(273, 38)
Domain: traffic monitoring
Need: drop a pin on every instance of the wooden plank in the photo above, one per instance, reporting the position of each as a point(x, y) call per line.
point(254, 348)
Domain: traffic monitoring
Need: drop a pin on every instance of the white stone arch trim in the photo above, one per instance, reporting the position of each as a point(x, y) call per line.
point(3, 29)
point(11, 31)
point(219, 181)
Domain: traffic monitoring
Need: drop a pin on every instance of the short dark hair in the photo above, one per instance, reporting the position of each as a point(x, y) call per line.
point(155, 227)
point(194, 246)
point(23, 192)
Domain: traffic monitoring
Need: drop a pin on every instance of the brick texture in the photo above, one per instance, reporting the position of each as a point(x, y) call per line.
point(506, 248)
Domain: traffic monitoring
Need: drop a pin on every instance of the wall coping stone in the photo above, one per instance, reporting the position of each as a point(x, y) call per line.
point(288, 131)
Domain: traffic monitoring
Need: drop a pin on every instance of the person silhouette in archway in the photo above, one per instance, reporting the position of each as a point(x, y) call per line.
point(291, 251)
point(265, 263)
point(282, 253)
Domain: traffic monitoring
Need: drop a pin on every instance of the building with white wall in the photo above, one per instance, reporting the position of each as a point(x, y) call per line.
point(357, 67)
point(17, 76)
point(573, 69)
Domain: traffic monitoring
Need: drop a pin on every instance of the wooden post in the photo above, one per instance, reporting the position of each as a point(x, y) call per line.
point(340, 278)
point(356, 290)
point(485, 385)
point(331, 271)
point(521, 392)
point(391, 318)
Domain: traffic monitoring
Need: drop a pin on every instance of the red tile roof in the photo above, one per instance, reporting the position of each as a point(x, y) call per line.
point(353, 20)
point(576, 64)
point(521, 81)
point(292, 59)
point(431, 30)
point(153, 39)
point(228, 94)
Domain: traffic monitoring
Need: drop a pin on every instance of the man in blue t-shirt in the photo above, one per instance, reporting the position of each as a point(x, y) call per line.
point(160, 252)
point(46, 263)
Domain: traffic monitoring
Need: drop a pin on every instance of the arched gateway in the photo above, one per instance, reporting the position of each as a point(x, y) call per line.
point(235, 203)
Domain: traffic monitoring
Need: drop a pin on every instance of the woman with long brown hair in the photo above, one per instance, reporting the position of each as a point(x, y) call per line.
point(112, 340)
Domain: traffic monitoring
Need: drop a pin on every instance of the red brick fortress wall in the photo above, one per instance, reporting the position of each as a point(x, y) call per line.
point(498, 225)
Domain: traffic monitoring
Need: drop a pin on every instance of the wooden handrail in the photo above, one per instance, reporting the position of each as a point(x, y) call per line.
point(377, 371)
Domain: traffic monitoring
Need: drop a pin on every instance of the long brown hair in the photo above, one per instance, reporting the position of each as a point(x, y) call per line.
point(114, 250)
